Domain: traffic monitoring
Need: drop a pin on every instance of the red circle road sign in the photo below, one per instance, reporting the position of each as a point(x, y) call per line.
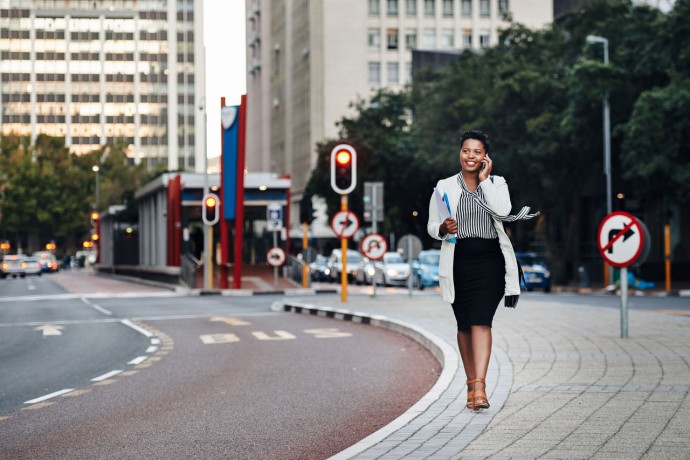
point(620, 239)
point(345, 224)
point(275, 257)
point(374, 246)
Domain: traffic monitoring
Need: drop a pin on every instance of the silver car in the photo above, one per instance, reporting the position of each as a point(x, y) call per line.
point(13, 266)
point(392, 270)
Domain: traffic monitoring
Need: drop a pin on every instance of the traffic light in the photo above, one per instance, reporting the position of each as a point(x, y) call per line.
point(209, 209)
point(306, 210)
point(343, 169)
point(94, 218)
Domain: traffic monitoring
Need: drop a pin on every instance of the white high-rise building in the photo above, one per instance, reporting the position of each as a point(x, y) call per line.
point(97, 71)
point(308, 60)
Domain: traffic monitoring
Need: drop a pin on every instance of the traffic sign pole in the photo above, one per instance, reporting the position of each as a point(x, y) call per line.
point(624, 303)
point(343, 251)
point(275, 269)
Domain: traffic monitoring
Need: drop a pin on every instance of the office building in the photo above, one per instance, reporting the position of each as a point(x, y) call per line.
point(96, 71)
point(308, 60)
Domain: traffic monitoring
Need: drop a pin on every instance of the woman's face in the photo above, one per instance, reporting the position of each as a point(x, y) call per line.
point(471, 155)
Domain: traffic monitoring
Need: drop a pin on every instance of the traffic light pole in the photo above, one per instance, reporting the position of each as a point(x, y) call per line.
point(305, 246)
point(343, 251)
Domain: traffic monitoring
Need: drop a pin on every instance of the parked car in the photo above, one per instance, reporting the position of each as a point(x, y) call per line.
point(426, 268)
point(335, 264)
point(392, 270)
point(47, 260)
point(32, 266)
point(364, 273)
point(536, 271)
point(12, 267)
point(319, 269)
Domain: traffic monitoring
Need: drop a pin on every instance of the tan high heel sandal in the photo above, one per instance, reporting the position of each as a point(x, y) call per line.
point(480, 400)
point(470, 393)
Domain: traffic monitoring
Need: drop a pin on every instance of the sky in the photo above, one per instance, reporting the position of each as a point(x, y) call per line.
point(224, 38)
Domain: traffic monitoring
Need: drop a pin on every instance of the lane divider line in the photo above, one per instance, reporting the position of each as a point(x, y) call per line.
point(105, 376)
point(139, 329)
point(138, 360)
point(48, 396)
point(96, 307)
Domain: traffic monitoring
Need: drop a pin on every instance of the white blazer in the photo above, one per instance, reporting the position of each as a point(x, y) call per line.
point(498, 198)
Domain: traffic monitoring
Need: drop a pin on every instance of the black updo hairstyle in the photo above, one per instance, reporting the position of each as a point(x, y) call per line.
point(477, 135)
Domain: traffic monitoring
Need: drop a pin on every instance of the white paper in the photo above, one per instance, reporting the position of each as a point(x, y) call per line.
point(441, 204)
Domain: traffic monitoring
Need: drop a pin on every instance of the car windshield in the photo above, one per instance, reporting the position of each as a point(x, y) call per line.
point(353, 258)
point(394, 259)
point(429, 259)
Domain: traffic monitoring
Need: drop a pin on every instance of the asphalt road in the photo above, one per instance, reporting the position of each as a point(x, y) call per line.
point(192, 377)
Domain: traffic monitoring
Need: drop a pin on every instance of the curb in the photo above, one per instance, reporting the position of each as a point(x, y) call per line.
point(443, 353)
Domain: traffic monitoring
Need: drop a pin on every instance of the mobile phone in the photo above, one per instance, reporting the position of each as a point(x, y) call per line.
point(481, 168)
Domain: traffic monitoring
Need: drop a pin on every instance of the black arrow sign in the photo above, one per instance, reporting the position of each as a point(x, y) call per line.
point(615, 234)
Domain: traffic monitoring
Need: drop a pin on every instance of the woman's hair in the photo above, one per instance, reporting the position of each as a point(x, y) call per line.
point(477, 135)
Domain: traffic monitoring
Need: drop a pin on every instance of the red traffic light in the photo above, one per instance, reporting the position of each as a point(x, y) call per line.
point(343, 169)
point(343, 157)
point(210, 202)
point(210, 212)
point(94, 216)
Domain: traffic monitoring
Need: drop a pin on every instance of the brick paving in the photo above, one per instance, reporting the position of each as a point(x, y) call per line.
point(561, 382)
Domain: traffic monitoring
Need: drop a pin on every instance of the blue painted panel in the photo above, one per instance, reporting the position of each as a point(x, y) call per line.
point(230, 146)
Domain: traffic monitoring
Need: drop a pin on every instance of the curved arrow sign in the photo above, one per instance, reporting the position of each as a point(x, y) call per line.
point(275, 257)
point(374, 246)
point(620, 239)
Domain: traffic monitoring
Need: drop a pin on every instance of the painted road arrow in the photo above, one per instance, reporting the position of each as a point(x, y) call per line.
point(49, 329)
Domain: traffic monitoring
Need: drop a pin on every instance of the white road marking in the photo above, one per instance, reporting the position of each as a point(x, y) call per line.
point(97, 307)
point(97, 295)
point(105, 376)
point(155, 341)
point(230, 320)
point(31, 287)
point(279, 335)
point(141, 330)
point(51, 395)
point(151, 349)
point(138, 360)
point(209, 339)
point(49, 329)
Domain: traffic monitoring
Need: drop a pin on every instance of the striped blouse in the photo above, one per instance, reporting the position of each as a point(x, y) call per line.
point(473, 221)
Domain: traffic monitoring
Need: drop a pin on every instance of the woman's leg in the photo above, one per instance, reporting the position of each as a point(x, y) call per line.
point(481, 350)
point(465, 346)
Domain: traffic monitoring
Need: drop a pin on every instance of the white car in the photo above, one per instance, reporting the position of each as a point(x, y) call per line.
point(12, 266)
point(392, 270)
point(335, 264)
point(32, 266)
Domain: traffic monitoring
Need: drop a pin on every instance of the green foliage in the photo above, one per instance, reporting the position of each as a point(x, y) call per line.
point(539, 95)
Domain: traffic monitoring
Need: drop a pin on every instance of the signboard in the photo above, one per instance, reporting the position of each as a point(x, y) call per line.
point(374, 246)
point(410, 246)
point(620, 239)
point(274, 217)
point(345, 224)
point(275, 257)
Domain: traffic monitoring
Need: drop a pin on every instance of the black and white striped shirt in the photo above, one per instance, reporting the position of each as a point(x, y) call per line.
point(473, 221)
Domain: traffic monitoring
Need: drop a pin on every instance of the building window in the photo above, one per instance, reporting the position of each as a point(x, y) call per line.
point(466, 7)
point(448, 8)
point(503, 7)
point(408, 72)
point(392, 39)
point(410, 40)
point(430, 8)
point(467, 39)
point(374, 39)
point(447, 39)
point(374, 73)
point(429, 39)
point(393, 76)
point(392, 7)
point(374, 8)
point(484, 39)
point(411, 7)
point(484, 8)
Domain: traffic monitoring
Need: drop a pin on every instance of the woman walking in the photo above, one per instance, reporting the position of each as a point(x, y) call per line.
point(477, 267)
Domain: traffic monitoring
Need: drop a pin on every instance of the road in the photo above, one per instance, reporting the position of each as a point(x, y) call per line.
point(159, 375)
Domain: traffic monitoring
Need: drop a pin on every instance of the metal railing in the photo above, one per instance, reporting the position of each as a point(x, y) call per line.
point(189, 267)
point(294, 269)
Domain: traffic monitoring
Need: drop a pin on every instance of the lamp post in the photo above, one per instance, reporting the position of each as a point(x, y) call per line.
point(592, 39)
point(96, 169)
point(607, 124)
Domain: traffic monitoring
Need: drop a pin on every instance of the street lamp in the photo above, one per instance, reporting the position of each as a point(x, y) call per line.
point(96, 169)
point(591, 39)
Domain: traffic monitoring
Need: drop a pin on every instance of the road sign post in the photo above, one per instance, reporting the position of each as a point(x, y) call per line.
point(374, 246)
point(622, 241)
point(410, 246)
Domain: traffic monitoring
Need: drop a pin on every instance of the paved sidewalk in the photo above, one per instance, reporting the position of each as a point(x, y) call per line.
point(561, 382)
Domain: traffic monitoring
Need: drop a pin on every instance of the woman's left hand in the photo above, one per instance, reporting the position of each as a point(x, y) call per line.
point(486, 170)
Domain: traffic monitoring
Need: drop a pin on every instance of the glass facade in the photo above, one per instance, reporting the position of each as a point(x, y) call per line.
point(97, 72)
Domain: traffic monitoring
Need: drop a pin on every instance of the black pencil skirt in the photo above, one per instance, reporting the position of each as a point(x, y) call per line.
point(479, 280)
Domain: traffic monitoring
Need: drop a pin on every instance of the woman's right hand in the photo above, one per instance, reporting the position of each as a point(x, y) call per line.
point(448, 226)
